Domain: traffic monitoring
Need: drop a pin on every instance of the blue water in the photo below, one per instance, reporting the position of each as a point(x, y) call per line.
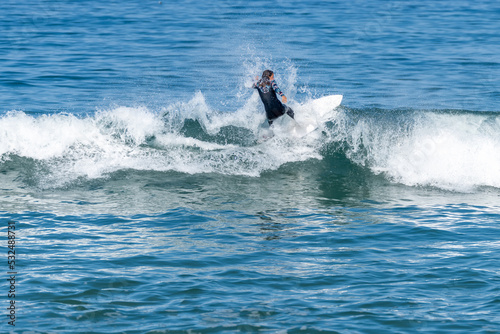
point(145, 202)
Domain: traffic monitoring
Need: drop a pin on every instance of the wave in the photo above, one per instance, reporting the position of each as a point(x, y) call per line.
point(184, 137)
point(453, 150)
point(448, 149)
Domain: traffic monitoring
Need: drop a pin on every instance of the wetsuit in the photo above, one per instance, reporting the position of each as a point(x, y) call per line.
point(274, 107)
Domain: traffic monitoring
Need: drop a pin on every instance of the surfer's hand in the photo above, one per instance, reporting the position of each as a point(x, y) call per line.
point(284, 99)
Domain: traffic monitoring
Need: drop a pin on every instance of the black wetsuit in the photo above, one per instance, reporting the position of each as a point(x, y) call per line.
point(274, 107)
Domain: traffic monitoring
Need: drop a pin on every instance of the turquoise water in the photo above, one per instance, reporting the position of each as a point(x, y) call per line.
point(144, 202)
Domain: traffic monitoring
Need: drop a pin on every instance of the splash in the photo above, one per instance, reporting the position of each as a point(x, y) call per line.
point(188, 137)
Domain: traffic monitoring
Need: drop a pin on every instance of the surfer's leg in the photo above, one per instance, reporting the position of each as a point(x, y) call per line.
point(289, 112)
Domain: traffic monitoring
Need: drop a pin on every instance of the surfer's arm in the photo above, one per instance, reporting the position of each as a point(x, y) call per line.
point(278, 91)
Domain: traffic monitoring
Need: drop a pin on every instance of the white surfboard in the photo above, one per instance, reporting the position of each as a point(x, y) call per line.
point(311, 114)
point(308, 117)
point(326, 104)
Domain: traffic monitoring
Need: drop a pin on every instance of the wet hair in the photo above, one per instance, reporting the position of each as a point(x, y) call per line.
point(265, 80)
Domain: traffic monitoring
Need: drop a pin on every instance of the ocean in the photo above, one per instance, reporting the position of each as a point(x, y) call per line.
point(137, 196)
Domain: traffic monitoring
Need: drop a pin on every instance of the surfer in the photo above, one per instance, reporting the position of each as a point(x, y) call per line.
point(268, 88)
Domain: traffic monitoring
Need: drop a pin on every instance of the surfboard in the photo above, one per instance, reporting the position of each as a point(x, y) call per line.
point(312, 114)
point(326, 104)
point(308, 117)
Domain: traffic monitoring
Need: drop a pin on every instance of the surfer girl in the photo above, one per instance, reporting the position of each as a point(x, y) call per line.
point(268, 89)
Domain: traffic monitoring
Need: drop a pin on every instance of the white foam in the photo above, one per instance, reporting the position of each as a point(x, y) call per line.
point(449, 151)
point(66, 148)
point(129, 124)
point(44, 137)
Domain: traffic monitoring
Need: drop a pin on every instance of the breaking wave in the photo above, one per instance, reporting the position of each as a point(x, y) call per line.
point(452, 150)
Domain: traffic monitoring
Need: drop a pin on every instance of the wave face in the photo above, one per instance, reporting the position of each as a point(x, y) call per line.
point(452, 150)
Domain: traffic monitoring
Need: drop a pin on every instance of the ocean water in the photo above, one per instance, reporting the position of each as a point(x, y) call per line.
point(137, 197)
